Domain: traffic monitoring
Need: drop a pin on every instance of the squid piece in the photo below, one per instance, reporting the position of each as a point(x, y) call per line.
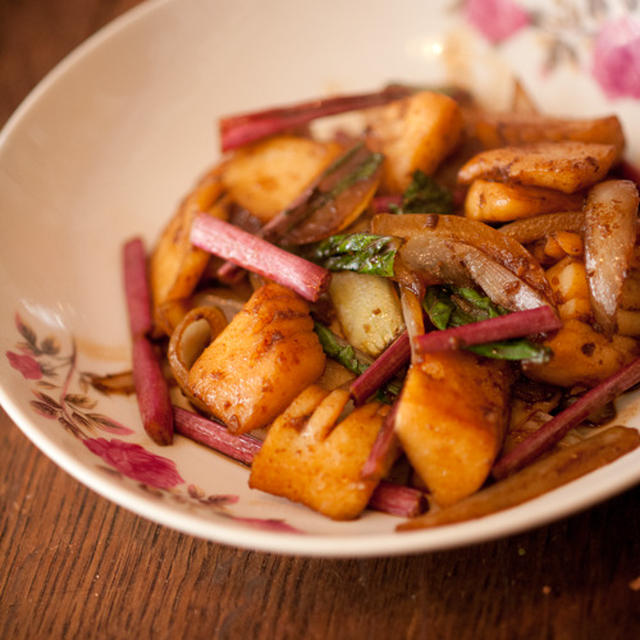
point(451, 421)
point(417, 132)
point(564, 166)
point(260, 362)
point(308, 458)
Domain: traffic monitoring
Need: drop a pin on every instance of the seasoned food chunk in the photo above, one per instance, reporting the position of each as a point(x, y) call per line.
point(262, 360)
point(417, 132)
point(308, 458)
point(265, 177)
point(565, 166)
point(499, 202)
point(451, 421)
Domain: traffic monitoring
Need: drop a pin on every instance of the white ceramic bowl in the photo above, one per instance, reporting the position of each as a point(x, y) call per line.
point(107, 144)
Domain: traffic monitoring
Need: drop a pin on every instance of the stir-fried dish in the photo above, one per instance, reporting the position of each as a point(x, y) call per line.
point(432, 309)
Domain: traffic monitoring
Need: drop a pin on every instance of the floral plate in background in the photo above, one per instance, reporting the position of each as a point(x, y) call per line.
point(106, 145)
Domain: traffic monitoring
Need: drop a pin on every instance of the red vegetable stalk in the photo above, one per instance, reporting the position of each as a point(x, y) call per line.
point(238, 130)
point(553, 431)
point(381, 204)
point(385, 439)
point(387, 497)
point(255, 254)
point(512, 325)
point(383, 368)
point(152, 391)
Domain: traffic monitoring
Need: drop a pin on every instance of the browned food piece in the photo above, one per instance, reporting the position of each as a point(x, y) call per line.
point(260, 362)
point(510, 129)
point(531, 229)
point(451, 421)
point(610, 229)
point(308, 458)
point(417, 132)
point(267, 176)
point(499, 202)
point(551, 472)
point(564, 166)
point(176, 265)
point(582, 356)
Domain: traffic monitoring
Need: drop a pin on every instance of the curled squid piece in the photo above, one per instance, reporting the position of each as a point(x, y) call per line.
point(308, 458)
point(451, 421)
point(260, 362)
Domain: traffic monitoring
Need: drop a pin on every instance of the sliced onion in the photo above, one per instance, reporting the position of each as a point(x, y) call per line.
point(189, 339)
point(501, 248)
point(610, 222)
point(462, 264)
point(531, 229)
point(413, 316)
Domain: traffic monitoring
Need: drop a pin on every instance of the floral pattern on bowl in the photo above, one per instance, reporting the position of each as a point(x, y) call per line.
point(600, 36)
point(42, 364)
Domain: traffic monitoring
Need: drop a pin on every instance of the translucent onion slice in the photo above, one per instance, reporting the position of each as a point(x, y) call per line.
point(462, 264)
point(502, 249)
point(610, 222)
point(531, 229)
point(189, 339)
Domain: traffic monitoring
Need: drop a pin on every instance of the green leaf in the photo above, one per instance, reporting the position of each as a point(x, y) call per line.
point(517, 349)
point(339, 350)
point(361, 252)
point(449, 306)
point(425, 195)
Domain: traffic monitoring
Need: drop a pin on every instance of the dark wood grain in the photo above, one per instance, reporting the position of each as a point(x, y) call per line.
point(73, 565)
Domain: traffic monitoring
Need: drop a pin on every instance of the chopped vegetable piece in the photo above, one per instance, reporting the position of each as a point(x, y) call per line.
point(229, 242)
point(340, 350)
point(136, 287)
point(554, 430)
point(536, 227)
point(342, 194)
point(361, 252)
point(398, 500)
point(512, 325)
point(381, 204)
point(549, 473)
point(215, 435)
point(392, 359)
point(375, 466)
point(152, 392)
point(425, 195)
point(610, 222)
point(151, 387)
point(239, 130)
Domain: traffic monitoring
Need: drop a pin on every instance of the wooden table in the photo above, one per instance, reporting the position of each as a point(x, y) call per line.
point(75, 566)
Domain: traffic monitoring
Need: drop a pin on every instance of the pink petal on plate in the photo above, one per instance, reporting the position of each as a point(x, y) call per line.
point(497, 20)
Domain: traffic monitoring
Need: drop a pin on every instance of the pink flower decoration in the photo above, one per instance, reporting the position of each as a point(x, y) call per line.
point(497, 20)
point(616, 58)
point(136, 462)
point(29, 367)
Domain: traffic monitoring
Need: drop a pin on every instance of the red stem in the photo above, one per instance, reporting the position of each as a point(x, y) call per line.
point(381, 204)
point(238, 130)
point(255, 254)
point(398, 500)
point(553, 431)
point(373, 467)
point(512, 325)
point(136, 287)
point(387, 496)
point(215, 435)
point(383, 368)
point(152, 392)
